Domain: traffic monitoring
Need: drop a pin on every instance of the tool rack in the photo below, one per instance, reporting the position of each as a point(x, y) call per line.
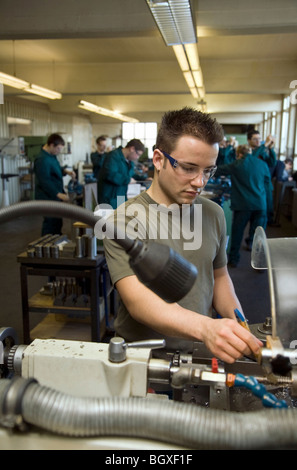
point(88, 268)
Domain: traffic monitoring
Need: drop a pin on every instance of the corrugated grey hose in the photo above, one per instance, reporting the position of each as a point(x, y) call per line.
point(50, 209)
point(184, 425)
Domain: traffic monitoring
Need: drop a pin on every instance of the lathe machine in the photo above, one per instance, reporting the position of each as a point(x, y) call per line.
point(72, 394)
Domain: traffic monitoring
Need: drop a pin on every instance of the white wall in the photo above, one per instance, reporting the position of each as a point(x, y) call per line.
point(76, 130)
point(81, 139)
point(112, 131)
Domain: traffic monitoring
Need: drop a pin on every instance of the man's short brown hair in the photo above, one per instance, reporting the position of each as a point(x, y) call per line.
point(187, 121)
point(137, 144)
point(56, 140)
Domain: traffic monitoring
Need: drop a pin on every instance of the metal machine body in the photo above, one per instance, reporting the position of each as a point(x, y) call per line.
point(47, 374)
point(87, 369)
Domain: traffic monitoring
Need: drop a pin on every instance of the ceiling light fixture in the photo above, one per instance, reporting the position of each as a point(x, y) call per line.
point(15, 82)
point(45, 92)
point(176, 24)
point(188, 59)
point(175, 20)
point(105, 112)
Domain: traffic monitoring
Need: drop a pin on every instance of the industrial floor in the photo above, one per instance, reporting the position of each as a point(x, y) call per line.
point(250, 285)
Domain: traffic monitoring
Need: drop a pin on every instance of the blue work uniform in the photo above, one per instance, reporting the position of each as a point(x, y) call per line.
point(48, 183)
point(226, 155)
point(114, 178)
point(97, 160)
point(250, 183)
point(267, 154)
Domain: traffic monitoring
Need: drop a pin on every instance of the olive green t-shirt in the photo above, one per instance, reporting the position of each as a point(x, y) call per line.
point(197, 232)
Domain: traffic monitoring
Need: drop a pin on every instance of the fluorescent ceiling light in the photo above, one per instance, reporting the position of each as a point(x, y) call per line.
point(197, 74)
point(201, 91)
point(13, 120)
point(45, 92)
point(14, 82)
point(192, 54)
point(105, 112)
point(174, 20)
point(188, 59)
point(194, 93)
point(189, 79)
point(176, 25)
point(181, 57)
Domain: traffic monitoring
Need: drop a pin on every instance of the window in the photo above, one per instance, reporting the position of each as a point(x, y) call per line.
point(285, 123)
point(273, 123)
point(295, 147)
point(144, 131)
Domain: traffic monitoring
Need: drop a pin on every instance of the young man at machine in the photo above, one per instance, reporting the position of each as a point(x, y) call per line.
point(117, 171)
point(184, 159)
point(49, 180)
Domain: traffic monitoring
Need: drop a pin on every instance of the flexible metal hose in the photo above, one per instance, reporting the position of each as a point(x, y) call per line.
point(184, 425)
point(48, 208)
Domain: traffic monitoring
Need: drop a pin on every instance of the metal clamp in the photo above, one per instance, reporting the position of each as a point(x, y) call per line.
point(11, 398)
point(118, 347)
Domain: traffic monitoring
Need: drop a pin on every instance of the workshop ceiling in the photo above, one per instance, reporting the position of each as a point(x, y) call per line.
point(110, 53)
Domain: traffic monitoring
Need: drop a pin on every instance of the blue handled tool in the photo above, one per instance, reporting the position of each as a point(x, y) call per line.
point(242, 320)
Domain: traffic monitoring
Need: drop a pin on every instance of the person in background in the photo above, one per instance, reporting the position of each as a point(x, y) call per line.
point(283, 170)
point(184, 159)
point(49, 180)
point(265, 151)
point(250, 183)
point(227, 151)
point(117, 172)
point(97, 158)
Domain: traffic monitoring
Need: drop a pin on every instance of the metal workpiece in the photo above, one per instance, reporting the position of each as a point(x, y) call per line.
point(159, 371)
point(181, 376)
point(195, 375)
point(208, 377)
point(278, 364)
point(79, 252)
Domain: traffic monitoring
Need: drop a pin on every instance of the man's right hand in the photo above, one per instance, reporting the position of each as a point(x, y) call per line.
point(228, 340)
point(269, 141)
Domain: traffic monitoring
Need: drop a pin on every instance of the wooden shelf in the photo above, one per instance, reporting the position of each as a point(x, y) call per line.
point(41, 303)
